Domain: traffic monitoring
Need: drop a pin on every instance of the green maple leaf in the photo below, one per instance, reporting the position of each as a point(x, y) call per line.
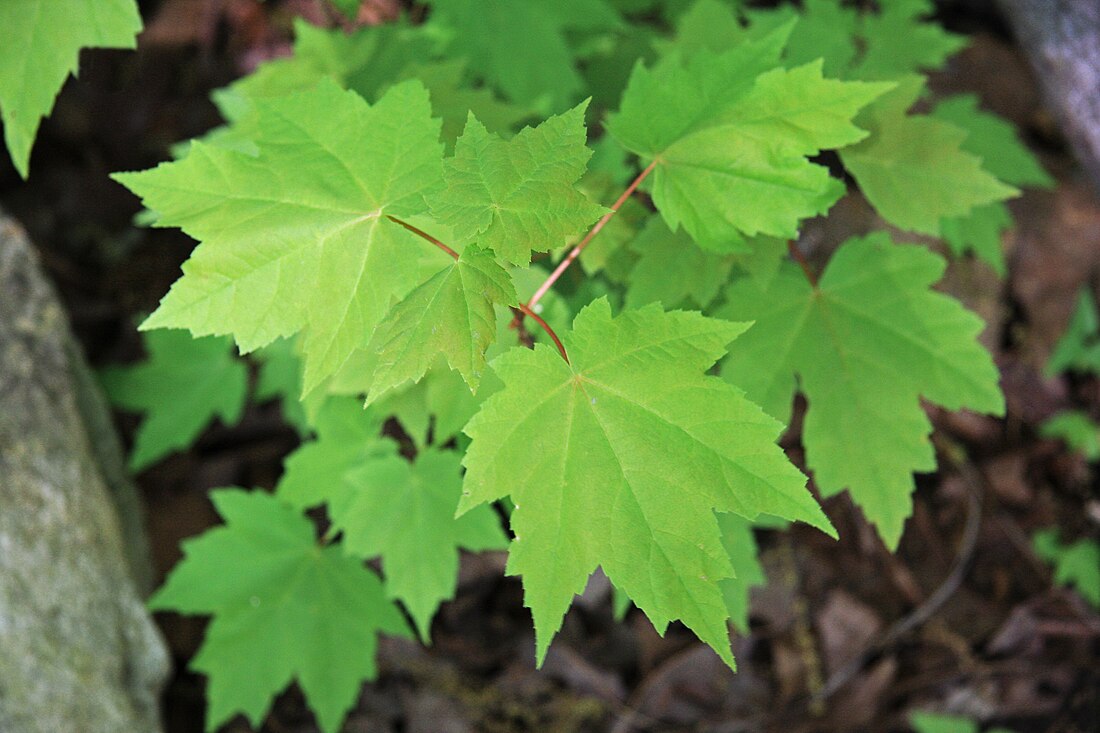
point(902, 167)
point(1077, 564)
point(521, 48)
point(310, 613)
point(1079, 347)
point(451, 314)
point(740, 546)
point(730, 135)
point(926, 722)
point(280, 378)
point(620, 458)
point(184, 385)
point(348, 436)
point(865, 346)
point(41, 47)
point(672, 270)
point(405, 513)
point(995, 141)
point(896, 41)
point(296, 237)
point(1077, 430)
point(980, 233)
point(518, 196)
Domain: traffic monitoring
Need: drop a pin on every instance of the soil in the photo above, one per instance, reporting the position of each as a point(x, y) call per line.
point(845, 636)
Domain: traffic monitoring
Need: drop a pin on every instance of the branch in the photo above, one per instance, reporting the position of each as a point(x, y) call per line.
point(424, 235)
point(576, 251)
point(523, 309)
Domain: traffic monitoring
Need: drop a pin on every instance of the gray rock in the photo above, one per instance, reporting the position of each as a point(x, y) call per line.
point(78, 651)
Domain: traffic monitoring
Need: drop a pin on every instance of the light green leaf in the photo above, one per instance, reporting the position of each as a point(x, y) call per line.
point(902, 168)
point(925, 722)
point(280, 378)
point(1077, 564)
point(518, 196)
point(980, 232)
point(730, 135)
point(865, 345)
point(520, 48)
point(296, 238)
point(348, 436)
point(620, 458)
point(405, 513)
point(995, 141)
point(1079, 348)
point(1078, 431)
point(184, 385)
point(41, 47)
point(671, 269)
point(896, 41)
point(451, 314)
point(740, 546)
point(307, 612)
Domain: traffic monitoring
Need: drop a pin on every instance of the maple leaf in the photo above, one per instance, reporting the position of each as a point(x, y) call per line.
point(896, 41)
point(865, 345)
point(182, 387)
point(671, 269)
point(42, 42)
point(520, 48)
point(405, 513)
point(280, 377)
point(1079, 347)
point(296, 237)
point(451, 314)
point(717, 123)
point(311, 613)
point(740, 546)
point(1077, 430)
point(1077, 564)
point(620, 458)
point(348, 436)
point(902, 167)
point(980, 232)
point(995, 141)
point(518, 196)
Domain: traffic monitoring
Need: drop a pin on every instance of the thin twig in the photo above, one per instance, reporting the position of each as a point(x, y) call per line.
point(424, 235)
point(576, 251)
point(545, 327)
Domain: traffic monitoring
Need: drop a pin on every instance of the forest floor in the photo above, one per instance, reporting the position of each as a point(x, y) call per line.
point(845, 636)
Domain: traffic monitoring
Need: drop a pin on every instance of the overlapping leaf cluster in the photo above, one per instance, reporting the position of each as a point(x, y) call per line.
point(372, 202)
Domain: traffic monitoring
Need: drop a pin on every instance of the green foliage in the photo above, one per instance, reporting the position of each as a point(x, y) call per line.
point(926, 722)
point(517, 196)
point(184, 385)
point(630, 421)
point(1077, 564)
point(1079, 348)
point(297, 237)
point(451, 314)
point(716, 123)
point(41, 48)
point(310, 612)
point(1078, 431)
point(326, 212)
point(864, 344)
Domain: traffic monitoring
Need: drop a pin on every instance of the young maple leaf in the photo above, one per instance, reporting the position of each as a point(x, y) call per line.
point(451, 314)
point(1077, 564)
point(348, 436)
point(914, 169)
point(297, 236)
point(717, 123)
point(310, 613)
point(866, 344)
point(41, 47)
point(518, 196)
point(405, 513)
point(620, 458)
point(183, 386)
